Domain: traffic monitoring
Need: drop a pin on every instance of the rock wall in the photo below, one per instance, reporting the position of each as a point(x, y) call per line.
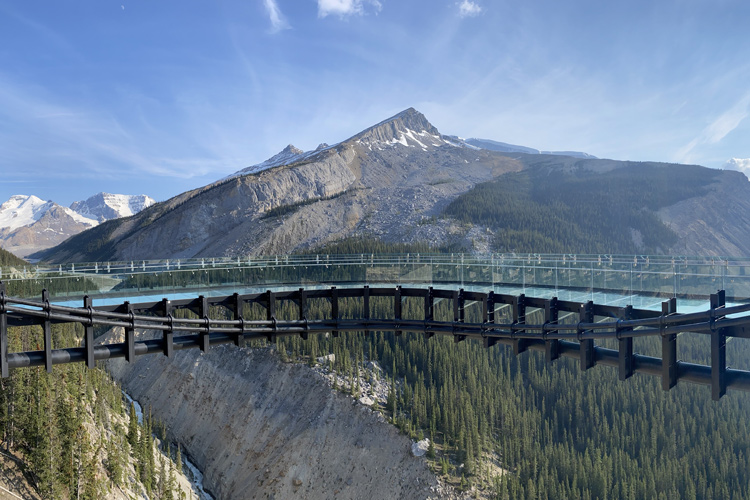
point(258, 428)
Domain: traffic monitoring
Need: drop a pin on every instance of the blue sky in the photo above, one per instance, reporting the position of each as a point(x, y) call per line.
point(158, 97)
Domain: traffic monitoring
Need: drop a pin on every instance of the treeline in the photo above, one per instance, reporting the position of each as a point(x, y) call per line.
point(8, 259)
point(554, 210)
point(71, 429)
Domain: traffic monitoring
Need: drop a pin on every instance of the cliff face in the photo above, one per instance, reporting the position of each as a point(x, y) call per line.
point(258, 428)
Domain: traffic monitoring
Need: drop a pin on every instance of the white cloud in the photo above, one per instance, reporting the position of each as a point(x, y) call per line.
point(344, 8)
point(739, 164)
point(467, 8)
point(278, 21)
point(718, 129)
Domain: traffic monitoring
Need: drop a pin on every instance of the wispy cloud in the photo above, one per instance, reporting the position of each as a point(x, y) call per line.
point(344, 8)
point(467, 8)
point(278, 21)
point(718, 129)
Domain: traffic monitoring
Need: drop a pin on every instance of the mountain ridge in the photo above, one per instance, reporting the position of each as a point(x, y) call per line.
point(391, 181)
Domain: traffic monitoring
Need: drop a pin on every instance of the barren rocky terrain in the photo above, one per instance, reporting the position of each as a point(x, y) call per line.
point(259, 428)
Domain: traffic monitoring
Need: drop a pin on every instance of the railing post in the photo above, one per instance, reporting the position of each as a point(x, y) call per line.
point(586, 315)
point(47, 330)
point(488, 314)
point(167, 335)
point(237, 304)
point(397, 307)
point(458, 313)
point(302, 302)
point(88, 330)
point(429, 311)
point(668, 349)
point(718, 348)
point(271, 312)
point(129, 333)
point(625, 346)
point(551, 315)
point(203, 311)
point(366, 306)
point(519, 318)
point(461, 306)
point(335, 310)
point(3, 333)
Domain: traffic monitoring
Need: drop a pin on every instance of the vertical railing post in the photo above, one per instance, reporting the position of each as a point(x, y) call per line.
point(271, 313)
point(459, 304)
point(488, 313)
point(625, 346)
point(3, 332)
point(237, 305)
point(551, 315)
point(366, 307)
point(519, 318)
point(587, 353)
point(335, 311)
point(203, 311)
point(718, 348)
point(47, 330)
point(668, 348)
point(397, 308)
point(88, 330)
point(302, 298)
point(129, 333)
point(429, 311)
point(167, 335)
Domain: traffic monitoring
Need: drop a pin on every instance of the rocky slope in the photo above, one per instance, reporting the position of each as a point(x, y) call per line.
point(263, 429)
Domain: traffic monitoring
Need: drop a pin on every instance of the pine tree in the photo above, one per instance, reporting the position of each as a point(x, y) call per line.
point(133, 427)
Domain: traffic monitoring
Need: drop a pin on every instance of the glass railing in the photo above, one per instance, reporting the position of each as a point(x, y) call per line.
point(658, 276)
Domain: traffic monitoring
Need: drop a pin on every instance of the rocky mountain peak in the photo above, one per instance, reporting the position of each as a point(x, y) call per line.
point(408, 128)
point(291, 150)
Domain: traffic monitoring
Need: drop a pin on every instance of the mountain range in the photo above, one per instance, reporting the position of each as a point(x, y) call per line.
point(29, 224)
point(401, 180)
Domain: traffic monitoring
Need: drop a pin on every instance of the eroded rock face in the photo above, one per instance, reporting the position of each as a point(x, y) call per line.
point(258, 428)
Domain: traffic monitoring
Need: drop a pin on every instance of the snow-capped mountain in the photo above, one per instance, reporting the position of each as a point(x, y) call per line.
point(22, 210)
point(106, 206)
point(29, 224)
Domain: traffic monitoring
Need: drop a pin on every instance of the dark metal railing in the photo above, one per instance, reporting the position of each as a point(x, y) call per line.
point(556, 338)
